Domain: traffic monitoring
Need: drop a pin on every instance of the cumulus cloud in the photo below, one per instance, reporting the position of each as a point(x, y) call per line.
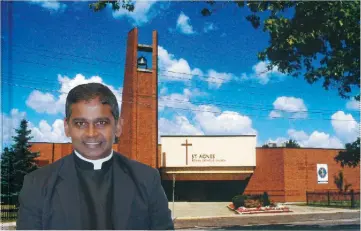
point(49, 5)
point(142, 12)
point(179, 125)
point(316, 139)
point(184, 24)
point(216, 79)
point(261, 73)
point(173, 69)
point(288, 106)
point(49, 133)
point(8, 124)
point(353, 105)
point(208, 26)
point(43, 132)
point(223, 123)
point(45, 102)
point(345, 126)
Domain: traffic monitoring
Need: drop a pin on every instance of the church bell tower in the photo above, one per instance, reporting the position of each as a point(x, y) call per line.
point(139, 109)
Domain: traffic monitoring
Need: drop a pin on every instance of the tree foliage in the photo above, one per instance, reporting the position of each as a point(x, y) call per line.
point(320, 41)
point(351, 156)
point(341, 182)
point(116, 5)
point(16, 162)
point(291, 144)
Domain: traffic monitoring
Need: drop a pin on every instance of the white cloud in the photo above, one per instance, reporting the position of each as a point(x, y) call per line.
point(176, 100)
point(208, 26)
point(9, 124)
point(183, 24)
point(216, 79)
point(290, 106)
point(261, 73)
point(142, 12)
point(297, 135)
point(225, 123)
point(315, 140)
point(173, 69)
point(48, 103)
point(180, 125)
point(345, 126)
point(46, 133)
point(49, 5)
point(41, 133)
point(353, 105)
point(279, 141)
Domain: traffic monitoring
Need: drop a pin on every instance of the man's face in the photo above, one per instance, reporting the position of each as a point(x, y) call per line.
point(92, 128)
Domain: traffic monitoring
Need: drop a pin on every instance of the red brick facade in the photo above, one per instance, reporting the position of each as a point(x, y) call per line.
point(286, 174)
point(139, 108)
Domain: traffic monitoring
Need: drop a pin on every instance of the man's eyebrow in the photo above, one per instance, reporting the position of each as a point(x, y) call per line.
point(96, 119)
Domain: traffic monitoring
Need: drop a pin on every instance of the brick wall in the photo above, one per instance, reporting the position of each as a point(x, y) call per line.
point(268, 175)
point(301, 172)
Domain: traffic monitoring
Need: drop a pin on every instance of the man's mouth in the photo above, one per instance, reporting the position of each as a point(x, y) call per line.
point(92, 144)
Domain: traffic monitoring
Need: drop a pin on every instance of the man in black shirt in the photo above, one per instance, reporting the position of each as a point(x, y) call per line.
point(94, 187)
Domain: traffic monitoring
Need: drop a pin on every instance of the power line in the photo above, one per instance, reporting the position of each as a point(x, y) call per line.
point(217, 103)
point(189, 109)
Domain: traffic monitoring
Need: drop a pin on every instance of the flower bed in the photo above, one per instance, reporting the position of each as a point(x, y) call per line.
point(259, 209)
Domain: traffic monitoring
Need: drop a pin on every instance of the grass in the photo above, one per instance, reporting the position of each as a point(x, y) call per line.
point(334, 204)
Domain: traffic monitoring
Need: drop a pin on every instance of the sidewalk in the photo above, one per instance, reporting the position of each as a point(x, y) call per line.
point(189, 215)
point(187, 210)
point(213, 214)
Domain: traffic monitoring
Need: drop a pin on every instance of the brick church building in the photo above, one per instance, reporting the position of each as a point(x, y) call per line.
point(206, 168)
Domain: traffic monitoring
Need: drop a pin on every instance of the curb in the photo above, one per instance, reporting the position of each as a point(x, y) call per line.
point(239, 220)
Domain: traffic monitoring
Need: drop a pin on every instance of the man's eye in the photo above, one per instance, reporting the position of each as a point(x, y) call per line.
point(101, 122)
point(80, 124)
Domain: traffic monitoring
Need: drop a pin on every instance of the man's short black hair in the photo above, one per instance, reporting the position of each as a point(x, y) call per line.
point(89, 91)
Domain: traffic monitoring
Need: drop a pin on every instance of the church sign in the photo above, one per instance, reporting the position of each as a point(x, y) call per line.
point(188, 151)
point(322, 174)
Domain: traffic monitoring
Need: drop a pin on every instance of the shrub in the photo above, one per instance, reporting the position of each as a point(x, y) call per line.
point(238, 201)
point(252, 203)
point(265, 199)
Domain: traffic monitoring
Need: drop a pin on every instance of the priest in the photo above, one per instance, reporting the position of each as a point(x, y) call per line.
point(93, 188)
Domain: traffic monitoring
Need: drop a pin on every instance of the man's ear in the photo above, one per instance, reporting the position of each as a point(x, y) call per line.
point(119, 127)
point(66, 128)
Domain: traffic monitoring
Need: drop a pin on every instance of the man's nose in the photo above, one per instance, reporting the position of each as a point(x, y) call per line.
point(91, 131)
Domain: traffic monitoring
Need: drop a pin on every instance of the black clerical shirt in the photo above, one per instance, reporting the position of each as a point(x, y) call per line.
point(96, 194)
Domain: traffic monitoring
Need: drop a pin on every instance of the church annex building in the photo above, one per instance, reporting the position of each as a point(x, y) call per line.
point(207, 168)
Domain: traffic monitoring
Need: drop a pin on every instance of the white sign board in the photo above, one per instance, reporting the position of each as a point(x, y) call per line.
point(188, 151)
point(322, 173)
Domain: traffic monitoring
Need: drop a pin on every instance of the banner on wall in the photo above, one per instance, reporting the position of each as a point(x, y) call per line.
point(322, 173)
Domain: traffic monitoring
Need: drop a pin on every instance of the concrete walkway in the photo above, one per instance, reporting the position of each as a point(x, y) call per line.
point(186, 210)
point(208, 214)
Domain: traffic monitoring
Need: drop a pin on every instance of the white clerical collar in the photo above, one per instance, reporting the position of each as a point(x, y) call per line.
point(97, 163)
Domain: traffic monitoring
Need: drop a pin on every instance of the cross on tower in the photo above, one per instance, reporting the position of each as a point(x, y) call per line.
point(186, 145)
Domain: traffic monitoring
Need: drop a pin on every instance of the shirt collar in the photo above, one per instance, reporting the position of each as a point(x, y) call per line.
point(97, 163)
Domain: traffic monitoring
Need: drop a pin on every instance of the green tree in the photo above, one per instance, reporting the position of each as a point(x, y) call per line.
point(320, 41)
point(116, 5)
point(341, 182)
point(17, 162)
point(7, 176)
point(292, 144)
point(350, 156)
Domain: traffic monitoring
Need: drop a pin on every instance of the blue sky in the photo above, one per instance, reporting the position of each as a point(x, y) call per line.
point(55, 46)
